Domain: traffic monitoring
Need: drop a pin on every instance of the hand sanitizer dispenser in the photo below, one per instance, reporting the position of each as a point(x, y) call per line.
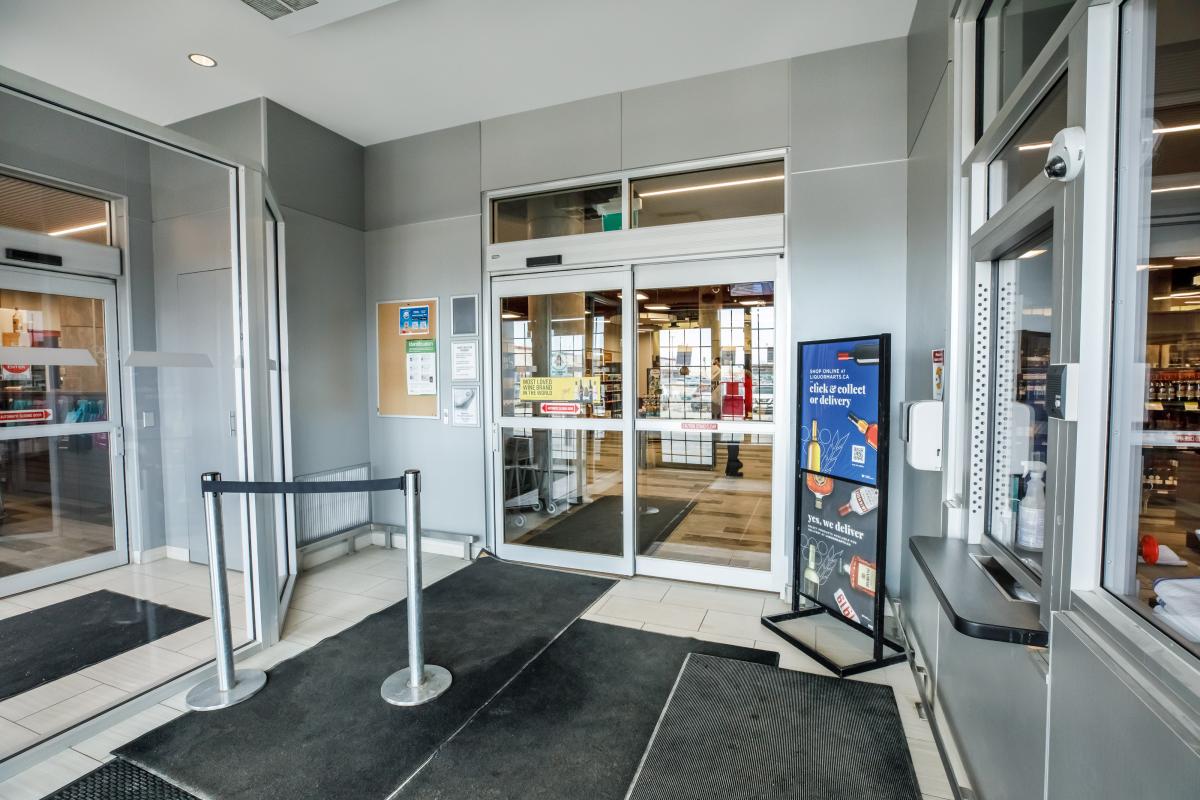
point(921, 433)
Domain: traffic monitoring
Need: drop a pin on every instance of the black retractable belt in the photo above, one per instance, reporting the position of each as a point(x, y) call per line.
point(302, 487)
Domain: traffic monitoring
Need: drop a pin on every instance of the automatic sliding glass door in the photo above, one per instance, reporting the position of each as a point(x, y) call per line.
point(706, 420)
point(560, 451)
point(61, 476)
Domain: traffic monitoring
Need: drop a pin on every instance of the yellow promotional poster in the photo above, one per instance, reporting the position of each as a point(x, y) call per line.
point(575, 390)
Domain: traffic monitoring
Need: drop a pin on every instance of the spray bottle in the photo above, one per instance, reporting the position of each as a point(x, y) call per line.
point(1031, 524)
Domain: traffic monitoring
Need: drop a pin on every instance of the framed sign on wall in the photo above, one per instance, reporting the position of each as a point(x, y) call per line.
point(407, 351)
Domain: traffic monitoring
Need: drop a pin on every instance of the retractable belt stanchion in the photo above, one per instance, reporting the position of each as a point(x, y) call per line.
point(418, 682)
point(230, 686)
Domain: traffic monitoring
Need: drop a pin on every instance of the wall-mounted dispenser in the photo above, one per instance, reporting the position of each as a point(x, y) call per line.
point(921, 432)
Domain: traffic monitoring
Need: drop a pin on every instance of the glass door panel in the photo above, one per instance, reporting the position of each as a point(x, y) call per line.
point(706, 416)
point(559, 447)
point(60, 440)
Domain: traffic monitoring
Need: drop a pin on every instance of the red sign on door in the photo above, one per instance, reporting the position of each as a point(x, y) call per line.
point(29, 415)
point(560, 408)
point(699, 426)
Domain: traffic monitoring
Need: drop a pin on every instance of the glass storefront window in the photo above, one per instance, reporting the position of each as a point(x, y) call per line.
point(561, 355)
point(1152, 536)
point(707, 352)
point(1024, 154)
point(1021, 317)
point(539, 216)
point(745, 190)
point(1012, 34)
point(563, 490)
point(56, 212)
point(705, 497)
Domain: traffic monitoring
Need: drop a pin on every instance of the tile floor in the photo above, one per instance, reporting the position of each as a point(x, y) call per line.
point(57, 705)
point(334, 596)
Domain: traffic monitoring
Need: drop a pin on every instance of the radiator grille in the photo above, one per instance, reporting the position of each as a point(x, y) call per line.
point(319, 516)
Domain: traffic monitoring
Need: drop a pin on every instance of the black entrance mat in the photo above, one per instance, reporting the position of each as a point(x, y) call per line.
point(596, 528)
point(320, 729)
point(745, 732)
point(57, 640)
point(574, 725)
point(120, 780)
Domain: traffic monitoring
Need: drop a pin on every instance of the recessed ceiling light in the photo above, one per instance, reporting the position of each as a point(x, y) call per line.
point(704, 186)
point(1032, 253)
point(201, 60)
point(1189, 188)
point(510, 315)
point(752, 302)
point(659, 307)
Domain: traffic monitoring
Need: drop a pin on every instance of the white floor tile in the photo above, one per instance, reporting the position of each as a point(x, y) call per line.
point(342, 580)
point(14, 737)
point(315, 628)
point(75, 709)
point(711, 599)
point(638, 610)
point(276, 653)
point(8, 609)
point(726, 623)
point(22, 705)
point(624, 623)
point(48, 776)
point(641, 588)
point(48, 595)
point(389, 589)
point(181, 640)
point(100, 746)
point(333, 603)
point(140, 668)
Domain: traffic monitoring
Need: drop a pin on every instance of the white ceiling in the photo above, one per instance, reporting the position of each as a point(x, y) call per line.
point(414, 65)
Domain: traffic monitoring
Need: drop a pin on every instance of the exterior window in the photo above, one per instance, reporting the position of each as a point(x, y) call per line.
point(1021, 316)
point(566, 213)
point(1152, 537)
point(44, 209)
point(1024, 154)
point(1012, 33)
point(746, 190)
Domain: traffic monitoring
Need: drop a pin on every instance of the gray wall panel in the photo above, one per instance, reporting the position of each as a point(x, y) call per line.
point(848, 106)
point(728, 112)
point(928, 56)
point(431, 259)
point(313, 169)
point(1116, 748)
point(326, 285)
point(421, 178)
point(994, 701)
point(237, 129)
point(563, 141)
point(847, 247)
point(928, 283)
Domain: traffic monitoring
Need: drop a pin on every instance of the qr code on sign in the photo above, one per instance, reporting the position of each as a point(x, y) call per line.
point(858, 454)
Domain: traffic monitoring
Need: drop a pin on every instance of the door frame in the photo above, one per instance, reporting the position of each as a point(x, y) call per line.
point(628, 279)
point(617, 278)
point(31, 279)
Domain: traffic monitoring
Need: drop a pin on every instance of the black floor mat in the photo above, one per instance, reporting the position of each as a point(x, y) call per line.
point(120, 780)
point(60, 639)
point(596, 528)
point(574, 725)
point(741, 731)
point(320, 730)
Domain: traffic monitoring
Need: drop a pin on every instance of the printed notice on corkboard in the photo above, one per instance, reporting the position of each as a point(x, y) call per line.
point(408, 358)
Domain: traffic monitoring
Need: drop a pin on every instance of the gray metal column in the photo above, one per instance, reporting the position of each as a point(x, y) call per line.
point(418, 682)
point(230, 686)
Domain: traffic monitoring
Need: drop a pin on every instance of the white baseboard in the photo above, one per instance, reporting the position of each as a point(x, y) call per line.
point(439, 546)
point(146, 556)
point(178, 553)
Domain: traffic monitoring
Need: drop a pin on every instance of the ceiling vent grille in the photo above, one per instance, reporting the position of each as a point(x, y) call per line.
point(274, 9)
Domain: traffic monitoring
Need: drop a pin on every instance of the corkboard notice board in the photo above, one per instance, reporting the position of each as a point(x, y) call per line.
point(420, 323)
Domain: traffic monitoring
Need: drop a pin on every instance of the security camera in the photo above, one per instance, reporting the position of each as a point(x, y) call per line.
point(1065, 157)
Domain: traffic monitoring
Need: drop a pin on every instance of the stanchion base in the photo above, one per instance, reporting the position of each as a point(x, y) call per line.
point(207, 696)
point(396, 690)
